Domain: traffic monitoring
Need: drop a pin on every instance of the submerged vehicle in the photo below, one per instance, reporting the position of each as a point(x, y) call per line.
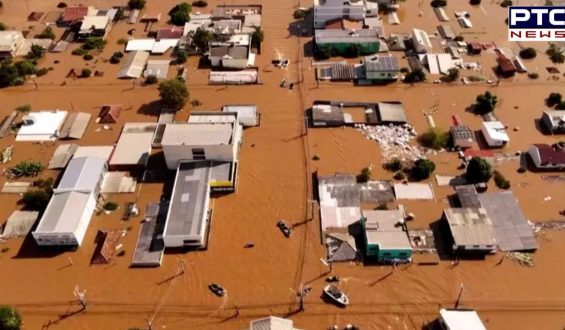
point(217, 289)
point(284, 228)
point(336, 295)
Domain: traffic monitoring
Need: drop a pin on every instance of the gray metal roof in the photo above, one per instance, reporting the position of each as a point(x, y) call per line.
point(391, 113)
point(470, 226)
point(150, 246)
point(62, 156)
point(198, 134)
point(236, 52)
point(188, 202)
point(381, 63)
point(75, 125)
point(133, 64)
point(468, 196)
point(344, 36)
point(511, 228)
point(327, 114)
point(63, 212)
point(462, 132)
point(82, 174)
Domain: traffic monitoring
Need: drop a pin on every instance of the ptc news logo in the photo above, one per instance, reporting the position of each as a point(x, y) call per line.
point(536, 23)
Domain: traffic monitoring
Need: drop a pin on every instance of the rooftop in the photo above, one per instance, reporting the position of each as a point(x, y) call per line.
point(550, 154)
point(468, 196)
point(557, 117)
point(188, 201)
point(171, 32)
point(343, 36)
point(44, 127)
point(391, 113)
point(381, 63)
point(198, 134)
point(461, 319)
point(63, 212)
point(496, 130)
point(72, 14)
point(7, 39)
point(94, 22)
point(134, 144)
point(235, 52)
point(82, 174)
point(470, 226)
point(383, 228)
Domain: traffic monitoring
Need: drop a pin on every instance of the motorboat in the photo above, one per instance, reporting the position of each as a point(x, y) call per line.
point(336, 295)
point(284, 228)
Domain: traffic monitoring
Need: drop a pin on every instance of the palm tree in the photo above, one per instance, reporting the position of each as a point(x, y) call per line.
point(257, 36)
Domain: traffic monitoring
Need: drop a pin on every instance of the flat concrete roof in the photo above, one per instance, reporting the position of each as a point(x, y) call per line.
point(63, 212)
point(198, 134)
point(82, 174)
point(382, 228)
point(150, 246)
point(188, 201)
point(134, 144)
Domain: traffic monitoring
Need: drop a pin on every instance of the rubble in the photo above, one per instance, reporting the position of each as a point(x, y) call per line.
point(394, 141)
point(521, 258)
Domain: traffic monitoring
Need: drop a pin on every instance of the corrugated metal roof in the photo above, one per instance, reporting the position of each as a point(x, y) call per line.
point(82, 174)
point(62, 156)
point(133, 65)
point(75, 125)
point(470, 226)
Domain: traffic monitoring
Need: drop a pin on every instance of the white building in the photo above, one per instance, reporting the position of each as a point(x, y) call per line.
point(10, 43)
point(41, 125)
point(247, 113)
point(421, 41)
point(206, 136)
point(94, 26)
point(460, 319)
point(328, 10)
point(69, 211)
point(494, 133)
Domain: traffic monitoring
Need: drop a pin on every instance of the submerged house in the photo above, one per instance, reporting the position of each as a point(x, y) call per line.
point(94, 26)
point(385, 237)
point(70, 209)
point(470, 230)
point(343, 42)
point(356, 10)
point(381, 68)
point(494, 133)
point(548, 157)
point(554, 121)
point(460, 319)
point(10, 43)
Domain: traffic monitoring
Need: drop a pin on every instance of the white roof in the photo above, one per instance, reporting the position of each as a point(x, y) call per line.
point(140, 44)
point(134, 144)
point(63, 212)
point(161, 46)
point(157, 68)
point(198, 134)
point(413, 191)
point(103, 152)
point(45, 127)
point(240, 39)
point(192, 26)
point(381, 227)
point(82, 174)
point(133, 65)
point(422, 38)
point(271, 323)
point(96, 22)
point(461, 319)
point(244, 111)
point(495, 130)
point(7, 38)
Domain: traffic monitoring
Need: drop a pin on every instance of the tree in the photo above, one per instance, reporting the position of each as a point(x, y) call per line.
point(173, 93)
point(506, 3)
point(61, 5)
point(202, 39)
point(87, 57)
point(555, 54)
point(85, 73)
point(528, 53)
point(36, 200)
point(486, 103)
point(415, 76)
point(3, 27)
point(258, 36)
point(478, 170)
point(393, 165)
point(36, 52)
point(364, 176)
point(136, 4)
point(10, 319)
point(151, 80)
point(181, 56)
point(434, 138)
point(299, 14)
point(423, 168)
point(46, 34)
point(94, 43)
point(500, 181)
point(452, 75)
point(180, 14)
point(199, 3)
point(110, 206)
point(438, 3)
point(475, 2)
point(553, 99)
point(8, 75)
point(24, 108)
point(116, 57)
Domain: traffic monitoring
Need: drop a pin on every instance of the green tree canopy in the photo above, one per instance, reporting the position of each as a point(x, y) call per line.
point(423, 168)
point(173, 93)
point(10, 319)
point(478, 170)
point(486, 103)
point(180, 14)
point(201, 39)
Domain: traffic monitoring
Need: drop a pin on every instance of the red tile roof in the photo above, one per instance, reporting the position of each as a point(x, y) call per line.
point(470, 153)
point(173, 32)
point(73, 14)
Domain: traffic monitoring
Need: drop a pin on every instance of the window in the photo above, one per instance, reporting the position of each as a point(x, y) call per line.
point(190, 241)
point(198, 154)
point(386, 254)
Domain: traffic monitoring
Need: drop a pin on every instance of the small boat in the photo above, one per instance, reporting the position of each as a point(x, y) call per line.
point(284, 228)
point(334, 278)
point(336, 295)
point(217, 290)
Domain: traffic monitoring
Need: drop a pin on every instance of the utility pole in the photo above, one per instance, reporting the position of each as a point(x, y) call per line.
point(301, 301)
point(181, 267)
point(80, 296)
point(149, 323)
point(459, 296)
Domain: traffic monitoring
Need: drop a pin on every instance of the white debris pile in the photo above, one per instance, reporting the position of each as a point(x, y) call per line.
point(394, 141)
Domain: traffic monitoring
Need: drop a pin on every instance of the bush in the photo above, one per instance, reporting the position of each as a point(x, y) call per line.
point(180, 14)
point(501, 181)
point(10, 319)
point(116, 57)
point(79, 52)
point(151, 80)
point(475, 2)
point(201, 39)
point(364, 176)
point(486, 103)
point(35, 52)
point(415, 76)
point(61, 5)
point(423, 168)
point(555, 54)
point(199, 3)
point(46, 34)
point(404, 70)
point(478, 170)
point(85, 73)
point(24, 108)
point(181, 56)
point(560, 106)
point(452, 75)
point(399, 176)
point(26, 168)
point(173, 93)
point(528, 53)
point(3, 27)
point(533, 75)
point(122, 41)
point(299, 14)
point(316, 157)
point(110, 206)
point(136, 4)
point(91, 43)
point(25, 67)
point(459, 38)
point(87, 57)
point(36, 200)
point(506, 3)
point(43, 183)
point(9, 75)
point(434, 138)
point(553, 99)
point(393, 165)
point(195, 102)
point(438, 3)
point(41, 72)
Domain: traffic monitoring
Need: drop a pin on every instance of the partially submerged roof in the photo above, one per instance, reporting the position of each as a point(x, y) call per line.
point(150, 246)
point(468, 196)
point(102, 152)
point(248, 76)
point(188, 202)
point(19, 224)
point(63, 212)
point(327, 114)
point(344, 36)
point(379, 63)
point(133, 65)
point(73, 14)
point(75, 125)
point(384, 228)
point(556, 118)
point(389, 112)
point(157, 68)
point(511, 228)
point(170, 32)
point(82, 174)
point(550, 154)
point(198, 134)
point(94, 23)
point(458, 319)
point(140, 44)
point(62, 156)
point(134, 144)
point(496, 130)
point(470, 226)
point(413, 191)
point(110, 113)
point(272, 323)
point(235, 52)
point(341, 247)
point(45, 126)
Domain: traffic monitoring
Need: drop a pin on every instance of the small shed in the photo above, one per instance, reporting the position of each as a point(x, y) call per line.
point(554, 121)
point(157, 68)
point(107, 243)
point(75, 125)
point(494, 133)
point(109, 113)
point(247, 113)
point(62, 156)
point(475, 48)
point(19, 224)
point(460, 319)
point(463, 137)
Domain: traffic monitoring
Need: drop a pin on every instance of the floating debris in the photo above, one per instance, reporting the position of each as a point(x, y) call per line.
point(521, 258)
point(394, 141)
point(6, 155)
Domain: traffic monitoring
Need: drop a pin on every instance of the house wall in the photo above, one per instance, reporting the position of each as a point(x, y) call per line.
point(174, 154)
point(234, 63)
point(85, 218)
point(534, 154)
point(374, 250)
point(386, 75)
point(52, 239)
point(366, 48)
point(215, 60)
point(490, 141)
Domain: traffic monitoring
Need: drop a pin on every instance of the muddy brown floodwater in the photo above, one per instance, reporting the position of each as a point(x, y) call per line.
point(275, 182)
